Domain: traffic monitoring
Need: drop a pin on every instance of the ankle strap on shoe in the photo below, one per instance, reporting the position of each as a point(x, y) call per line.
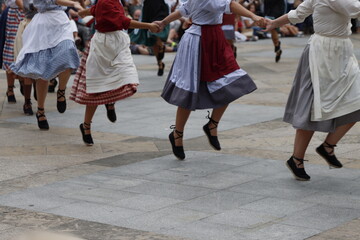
point(180, 134)
point(330, 145)
point(87, 126)
point(41, 109)
point(299, 160)
point(212, 121)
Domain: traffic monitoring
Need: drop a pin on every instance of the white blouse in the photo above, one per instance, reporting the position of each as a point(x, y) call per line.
point(204, 12)
point(331, 17)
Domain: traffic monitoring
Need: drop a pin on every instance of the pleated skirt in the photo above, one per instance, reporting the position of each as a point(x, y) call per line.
point(184, 88)
point(300, 102)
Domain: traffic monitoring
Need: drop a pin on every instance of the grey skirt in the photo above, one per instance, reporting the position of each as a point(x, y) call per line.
point(299, 104)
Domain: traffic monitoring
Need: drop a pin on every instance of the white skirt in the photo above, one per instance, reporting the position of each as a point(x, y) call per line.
point(110, 64)
point(46, 30)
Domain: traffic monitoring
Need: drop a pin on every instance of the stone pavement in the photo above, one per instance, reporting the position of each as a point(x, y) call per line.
point(129, 185)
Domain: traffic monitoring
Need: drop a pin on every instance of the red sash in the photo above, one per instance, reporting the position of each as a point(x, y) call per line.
point(217, 57)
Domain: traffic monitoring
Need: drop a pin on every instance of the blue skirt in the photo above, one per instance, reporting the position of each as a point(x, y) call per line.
point(48, 63)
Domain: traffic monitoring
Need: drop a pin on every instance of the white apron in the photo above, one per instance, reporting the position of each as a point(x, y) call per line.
point(46, 30)
point(335, 77)
point(110, 64)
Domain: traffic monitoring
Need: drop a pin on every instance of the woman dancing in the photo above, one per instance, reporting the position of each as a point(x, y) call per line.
point(48, 51)
point(325, 95)
point(205, 73)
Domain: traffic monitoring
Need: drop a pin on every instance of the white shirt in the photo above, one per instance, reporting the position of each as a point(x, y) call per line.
point(331, 17)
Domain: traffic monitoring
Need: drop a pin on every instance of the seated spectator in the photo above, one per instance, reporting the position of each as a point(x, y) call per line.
point(133, 6)
point(251, 31)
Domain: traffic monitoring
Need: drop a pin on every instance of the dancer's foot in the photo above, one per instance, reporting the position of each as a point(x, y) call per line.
point(326, 151)
point(86, 134)
point(110, 112)
point(210, 130)
point(296, 166)
point(161, 69)
point(278, 52)
point(41, 119)
point(10, 94)
point(175, 138)
point(52, 84)
point(61, 101)
point(27, 108)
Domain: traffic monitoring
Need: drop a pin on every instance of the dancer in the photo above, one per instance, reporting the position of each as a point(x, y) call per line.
point(153, 10)
point(48, 51)
point(14, 17)
point(110, 70)
point(205, 73)
point(274, 9)
point(325, 94)
point(27, 83)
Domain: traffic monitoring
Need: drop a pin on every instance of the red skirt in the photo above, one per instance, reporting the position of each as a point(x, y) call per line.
point(217, 56)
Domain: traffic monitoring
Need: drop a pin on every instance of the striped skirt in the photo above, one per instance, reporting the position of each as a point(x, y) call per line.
point(78, 90)
point(15, 16)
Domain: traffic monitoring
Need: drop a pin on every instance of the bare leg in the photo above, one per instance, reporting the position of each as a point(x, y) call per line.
point(159, 51)
point(89, 114)
point(64, 78)
point(216, 116)
point(275, 39)
point(302, 140)
point(27, 88)
point(10, 89)
point(182, 115)
point(41, 89)
point(61, 99)
point(334, 137)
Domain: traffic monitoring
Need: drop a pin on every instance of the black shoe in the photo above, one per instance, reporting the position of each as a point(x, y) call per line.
point(177, 150)
point(330, 159)
point(299, 173)
point(161, 70)
point(11, 97)
point(87, 138)
point(111, 114)
point(213, 140)
point(61, 106)
point(43, 124)
point(52, 85)
point(278, 52)
point(28, 108)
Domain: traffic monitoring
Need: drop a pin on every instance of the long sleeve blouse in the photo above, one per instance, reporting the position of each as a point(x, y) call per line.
point(331, 17)
point(109, 16)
